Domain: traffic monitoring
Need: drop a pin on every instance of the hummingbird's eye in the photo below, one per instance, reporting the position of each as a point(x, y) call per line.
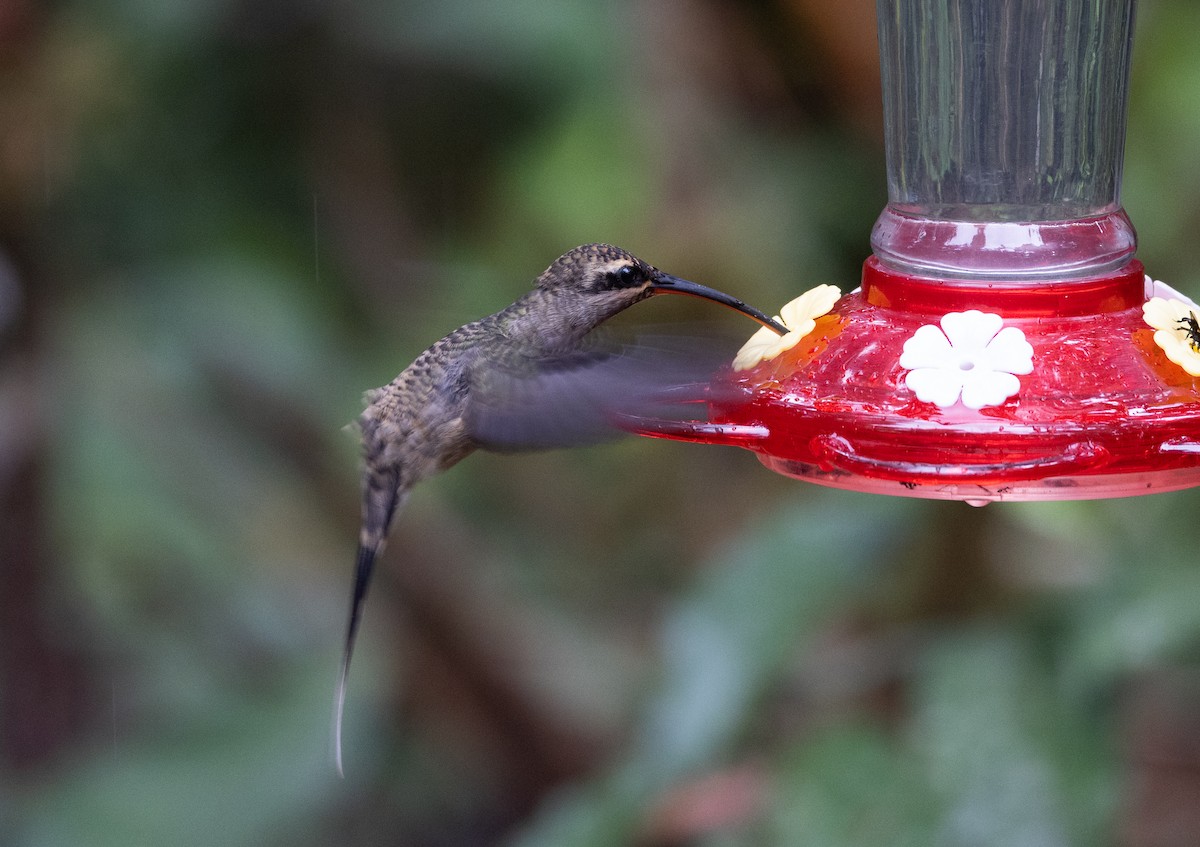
point(625, 277)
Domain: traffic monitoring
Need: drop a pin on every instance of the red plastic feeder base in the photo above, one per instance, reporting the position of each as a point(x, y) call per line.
point(1102, 412)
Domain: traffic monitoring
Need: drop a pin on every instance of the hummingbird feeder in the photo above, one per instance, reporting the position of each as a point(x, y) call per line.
point(1005, 344)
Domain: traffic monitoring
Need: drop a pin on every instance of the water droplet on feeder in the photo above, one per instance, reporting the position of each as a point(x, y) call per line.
point(976, 501)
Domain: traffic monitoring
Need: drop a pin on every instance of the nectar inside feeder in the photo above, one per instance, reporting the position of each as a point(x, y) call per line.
point(1005, 344)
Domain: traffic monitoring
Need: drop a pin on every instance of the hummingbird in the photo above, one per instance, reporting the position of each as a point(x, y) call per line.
point(521, 379)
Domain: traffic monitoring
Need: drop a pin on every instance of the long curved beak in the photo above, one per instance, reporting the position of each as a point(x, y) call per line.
point(662, 283)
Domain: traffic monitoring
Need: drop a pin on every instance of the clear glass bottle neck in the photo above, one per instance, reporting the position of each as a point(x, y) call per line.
point(1005, 131)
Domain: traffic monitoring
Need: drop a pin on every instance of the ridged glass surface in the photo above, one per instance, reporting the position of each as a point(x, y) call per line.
point(1004, 111)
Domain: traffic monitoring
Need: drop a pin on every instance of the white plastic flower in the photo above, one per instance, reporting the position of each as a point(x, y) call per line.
point(799, 316)
point(970, 358)
point(1176, 321)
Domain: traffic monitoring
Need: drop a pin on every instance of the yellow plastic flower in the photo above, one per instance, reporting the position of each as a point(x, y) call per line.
point(799, 316)
point(1177, 330)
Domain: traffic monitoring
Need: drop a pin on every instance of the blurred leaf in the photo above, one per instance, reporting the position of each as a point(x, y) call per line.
point(584, 178)
point(724, 643)
point(1134, 599)
point(237, 778)
point(541, 44)
point(1161, 178)
point(852, 786)
point(158, 21)
point(1011, 762)
point(196, 546)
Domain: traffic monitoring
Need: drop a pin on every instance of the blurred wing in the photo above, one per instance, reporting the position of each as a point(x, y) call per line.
point(532, 403)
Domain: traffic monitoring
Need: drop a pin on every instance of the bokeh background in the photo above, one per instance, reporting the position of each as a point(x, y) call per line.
point(222, 220)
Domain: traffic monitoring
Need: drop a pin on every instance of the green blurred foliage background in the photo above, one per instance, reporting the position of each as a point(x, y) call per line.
point(222, 220)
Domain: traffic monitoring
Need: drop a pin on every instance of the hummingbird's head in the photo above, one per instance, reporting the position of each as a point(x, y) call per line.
point(607, 279)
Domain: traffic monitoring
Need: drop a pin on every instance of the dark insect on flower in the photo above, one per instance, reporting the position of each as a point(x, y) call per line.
point(1191, 328)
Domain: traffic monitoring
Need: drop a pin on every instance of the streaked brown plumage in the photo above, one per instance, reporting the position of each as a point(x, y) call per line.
point(478, 388)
